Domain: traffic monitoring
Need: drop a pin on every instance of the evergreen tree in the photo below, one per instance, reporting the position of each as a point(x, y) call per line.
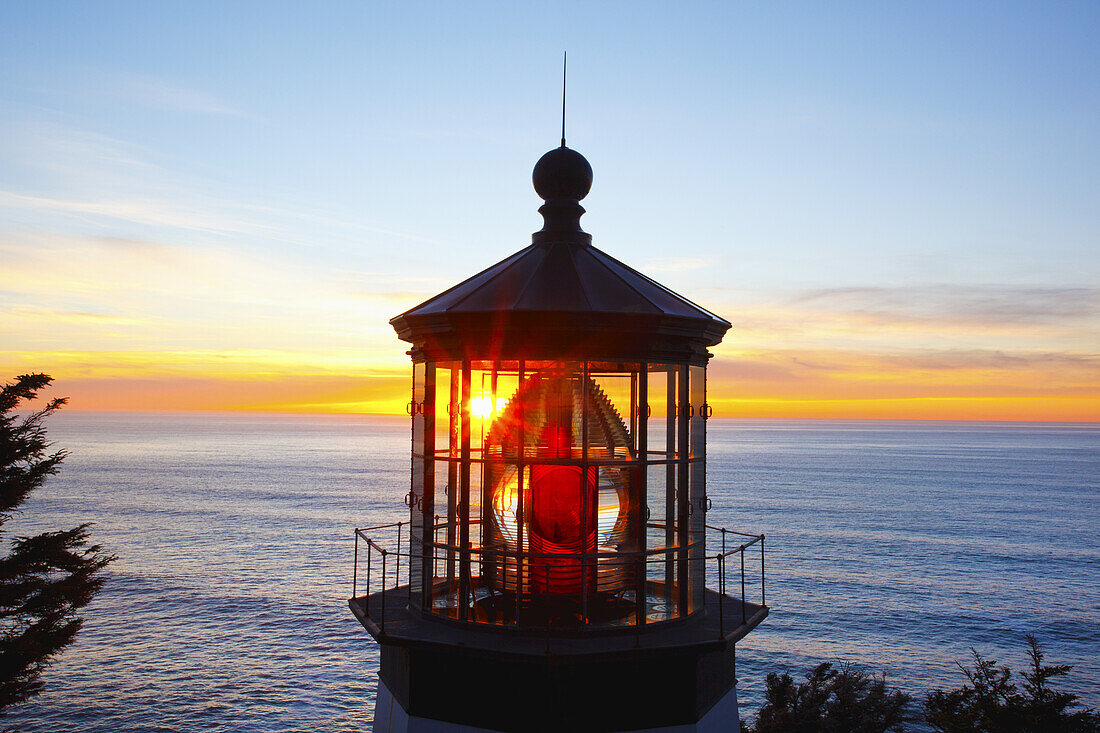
point(44, 579)
point(849, 700)
point(992, 703)
point(845, 700)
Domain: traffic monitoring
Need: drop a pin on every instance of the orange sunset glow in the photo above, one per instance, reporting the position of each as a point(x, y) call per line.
point(155, 327)
point(776, 384)
point(131, 325)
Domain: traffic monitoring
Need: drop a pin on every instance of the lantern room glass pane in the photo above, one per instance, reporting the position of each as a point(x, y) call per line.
point(446, 402)
point(415, 408)
point(697, 485)
point(485, 404)
point(698, 533)
point(444, 557)
point(661, 428)
point(611, 415)
point(476, 482)
point(660, 527)
point(413, 499)
point(697, 411)
point(419, 497)
point(698, 500)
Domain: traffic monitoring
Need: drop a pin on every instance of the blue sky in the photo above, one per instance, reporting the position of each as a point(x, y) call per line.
point(816, 173)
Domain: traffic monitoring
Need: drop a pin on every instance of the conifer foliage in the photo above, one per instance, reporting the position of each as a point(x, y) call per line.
point(992, 703)
point(44, 579)
point(849, 700)
point(831, 700)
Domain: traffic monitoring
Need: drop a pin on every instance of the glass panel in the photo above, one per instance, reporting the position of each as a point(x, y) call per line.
point(483, 406)
point(501, 530)
point(441, 561)
point(657, 506)
point(465, 469)
point(412, 499)
point(697, 482)
point(610, 418)
point(698, 486)
point(444, 473)
point(507, 383)
point(659, 607)
point(416, 475)
point(415, 409)
point(697, 411)
point(476, 482)
point(698, 520)
point(663, 395)
point(416, 571)
point(419, 496)
point(669, 536)
point(697, 430)
point(698, 570)
point(446, 397)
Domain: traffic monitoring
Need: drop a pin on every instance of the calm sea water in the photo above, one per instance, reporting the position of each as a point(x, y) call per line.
point(896, 546)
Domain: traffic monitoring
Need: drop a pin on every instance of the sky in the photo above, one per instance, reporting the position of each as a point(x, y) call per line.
point(219, 206)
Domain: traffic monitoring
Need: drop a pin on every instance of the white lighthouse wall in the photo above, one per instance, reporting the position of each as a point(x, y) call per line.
point(390, 717)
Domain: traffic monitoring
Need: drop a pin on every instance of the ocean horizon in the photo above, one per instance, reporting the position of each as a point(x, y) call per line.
point(894, 545)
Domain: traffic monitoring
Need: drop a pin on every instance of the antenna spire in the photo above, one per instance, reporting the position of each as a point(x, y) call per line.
point(564, 66)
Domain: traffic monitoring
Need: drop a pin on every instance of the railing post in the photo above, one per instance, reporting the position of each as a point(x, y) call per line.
point(742, 553)
point(763, 602)
point(722, 593)
point(382, 624)
point(355, 564)
point(366, 598)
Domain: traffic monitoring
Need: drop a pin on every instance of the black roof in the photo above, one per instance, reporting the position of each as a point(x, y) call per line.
point(560, 298)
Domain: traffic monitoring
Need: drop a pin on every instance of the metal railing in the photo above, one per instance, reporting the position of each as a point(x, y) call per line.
point(388, 566)
point(747, 541)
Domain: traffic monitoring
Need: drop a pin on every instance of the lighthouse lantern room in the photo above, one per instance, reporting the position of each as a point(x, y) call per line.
point(554, 572)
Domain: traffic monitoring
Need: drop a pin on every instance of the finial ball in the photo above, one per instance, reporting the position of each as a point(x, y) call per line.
point(562, 173)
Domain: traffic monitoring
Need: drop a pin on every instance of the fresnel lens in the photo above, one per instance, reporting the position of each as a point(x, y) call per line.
point(556, 425)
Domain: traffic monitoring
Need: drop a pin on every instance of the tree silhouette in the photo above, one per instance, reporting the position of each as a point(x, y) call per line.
point(848, 700)
point(845, 700)
point(991, 702)
point(44, 579)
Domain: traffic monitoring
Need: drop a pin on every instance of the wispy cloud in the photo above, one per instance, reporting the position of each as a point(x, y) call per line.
point(71, 158)
point(110, 293)
point(159, 92)
point(888, 319)
point(138, 211)
point(925, 372)
point(979, 305)
point(90, 178)
point(50, 317)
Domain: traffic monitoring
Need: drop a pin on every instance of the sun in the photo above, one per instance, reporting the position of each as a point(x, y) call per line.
point(484, 407)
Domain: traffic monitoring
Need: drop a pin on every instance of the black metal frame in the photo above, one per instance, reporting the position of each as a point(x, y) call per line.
point(682, 452)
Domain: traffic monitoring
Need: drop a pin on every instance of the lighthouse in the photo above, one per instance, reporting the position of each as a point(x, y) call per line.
point(557, 570)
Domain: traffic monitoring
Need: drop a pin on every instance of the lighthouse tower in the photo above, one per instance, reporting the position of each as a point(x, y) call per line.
point(557, 571)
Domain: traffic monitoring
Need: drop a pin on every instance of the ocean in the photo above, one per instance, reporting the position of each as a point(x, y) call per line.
point(895, 546)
